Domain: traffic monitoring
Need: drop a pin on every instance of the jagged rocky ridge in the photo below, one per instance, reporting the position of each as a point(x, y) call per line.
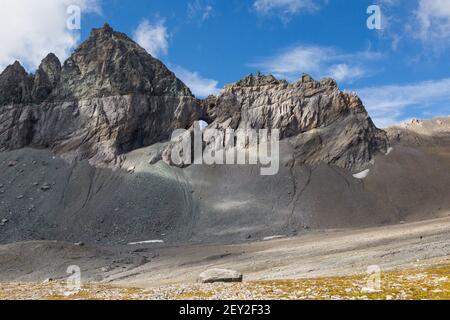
point(108, 98)
point(111, 97)
point(323, 123)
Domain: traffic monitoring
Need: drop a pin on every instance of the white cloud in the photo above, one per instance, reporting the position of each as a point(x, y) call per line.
point(285, 8)
point(424, 20)
point(344, 73)
point(319, 62)
point(152, 37)
point(434, 18)
point(294, 61)
point(392, 104)
point(200, 10)
point(29, 30)
point(200, 87)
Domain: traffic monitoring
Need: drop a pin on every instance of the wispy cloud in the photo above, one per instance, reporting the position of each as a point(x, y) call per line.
point(391, 104)
point(286, 8)
point(201, 87)
point(319, 62)
point(29, 30)
point(434, 18)
point(427, 21)
point(200, 10)
point(152, 37)
point(344, 73)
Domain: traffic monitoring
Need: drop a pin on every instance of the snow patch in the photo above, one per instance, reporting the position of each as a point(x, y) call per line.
point(362, 175)
point(273, 238)
point(145, 242)
point(389, 151)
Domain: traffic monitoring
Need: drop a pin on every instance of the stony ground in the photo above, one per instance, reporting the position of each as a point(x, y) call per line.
point(419, 283)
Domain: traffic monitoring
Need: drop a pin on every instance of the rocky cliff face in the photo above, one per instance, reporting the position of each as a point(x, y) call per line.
point(323, 123)
point(111, 97)
point(47, 77)
point(109, 63)
point(108, 98)
point(15, 85)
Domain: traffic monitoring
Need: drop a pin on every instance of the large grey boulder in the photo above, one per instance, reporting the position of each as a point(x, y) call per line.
point(220, 275)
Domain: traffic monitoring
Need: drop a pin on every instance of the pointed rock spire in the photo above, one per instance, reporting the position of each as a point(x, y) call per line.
point(109, 63)
point(15, 85)
point(106, 30)
point(47, 77)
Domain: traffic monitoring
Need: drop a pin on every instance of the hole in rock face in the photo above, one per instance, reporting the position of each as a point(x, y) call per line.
point(203, 124)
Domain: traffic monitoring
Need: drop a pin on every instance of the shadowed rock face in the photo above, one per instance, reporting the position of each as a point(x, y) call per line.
point(111, 97)
point(15, 85)
point(46, 78)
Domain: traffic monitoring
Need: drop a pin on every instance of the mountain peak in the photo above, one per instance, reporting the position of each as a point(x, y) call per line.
point(258, 80)
point(51, 57)
point(105, 30)
point(109, 63)
point(46, 78)
point(17, 65)
point(15, 84)
point(15, 68)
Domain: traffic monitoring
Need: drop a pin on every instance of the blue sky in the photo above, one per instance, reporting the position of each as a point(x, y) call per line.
point(401, 71)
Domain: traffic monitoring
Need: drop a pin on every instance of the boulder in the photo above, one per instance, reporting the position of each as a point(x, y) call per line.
point(220, 275)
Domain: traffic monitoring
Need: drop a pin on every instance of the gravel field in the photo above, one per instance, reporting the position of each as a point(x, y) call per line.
point(417, 283)
point(413, 258)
